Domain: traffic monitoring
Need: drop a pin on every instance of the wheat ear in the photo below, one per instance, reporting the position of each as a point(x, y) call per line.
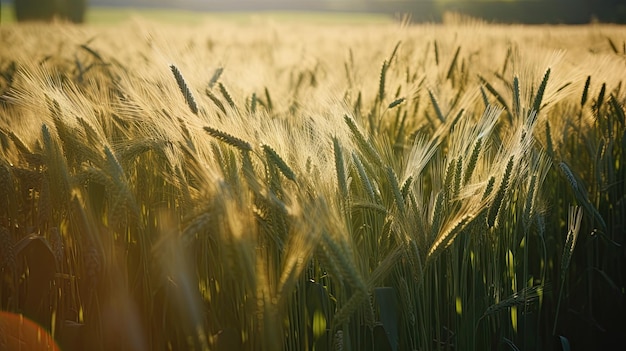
point(497, 201)
point(184, 89)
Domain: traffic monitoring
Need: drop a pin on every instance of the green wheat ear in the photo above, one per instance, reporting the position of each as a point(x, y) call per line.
point(471, 165)
point(363, 176)
point(497, 201)
point(497, 95)
point(229, 139)
point(529, 205)
point(437, 215)
point(457, 176)
point(216, 75)
point(361, 142)
point(524, 296)
point(406, 187)
point(574, 221)
point(381, 82)
point(253, 103)
point(453, 63)
point(569, 175)
point(226, 95)
point(339, 167)
point(397, 193)
point(184, 89)
point(618, 109)
point(394, 52)
point(583, 99)
point(383, 73)
point(600, 98)
point(516, 97)
point(581, 195)
point(613, 46)
point(449, 179)
point(483, 94)
point(396, 103)
point(349, 308)
point(509, 51)
point(435, 103)
point(358, 105)
point(216, 101)
point(273, 157)
point(268, 101)
point(541, 91)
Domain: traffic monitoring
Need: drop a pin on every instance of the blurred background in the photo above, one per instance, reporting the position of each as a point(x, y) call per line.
point(502, 11)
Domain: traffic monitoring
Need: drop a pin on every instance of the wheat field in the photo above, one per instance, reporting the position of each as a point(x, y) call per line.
point(278, 185)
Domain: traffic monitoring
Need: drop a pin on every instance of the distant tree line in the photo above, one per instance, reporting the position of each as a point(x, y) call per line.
point(46, 10)
point(519, 11)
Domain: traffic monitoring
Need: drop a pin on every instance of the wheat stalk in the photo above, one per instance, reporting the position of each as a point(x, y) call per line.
point(540, 91)
point(447, 235)
point(395, 103)
point(381, 82)
point(600, 99)
point(397, 193)
point(516, 97)
point(226, 95)
point(184, 89)
point(457, 177)
point(216, 101)
point(346, 310)
point(583, 98)
point(523, 297)
point(530, 202)
point(437, 215)
point(216, 76)
point(499, 197)
point(253, 103)
point(338, 342)
point(361, 142)
point(453, 63)
point(228, 139)
point(574, 220)
point(471, 164)
point(268, 100)
point(275, 159)
point(435, 103)
point(364, 177)
point(406, 186)
point(339, 168)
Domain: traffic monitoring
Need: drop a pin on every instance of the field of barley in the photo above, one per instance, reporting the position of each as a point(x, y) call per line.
point(286, 185)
